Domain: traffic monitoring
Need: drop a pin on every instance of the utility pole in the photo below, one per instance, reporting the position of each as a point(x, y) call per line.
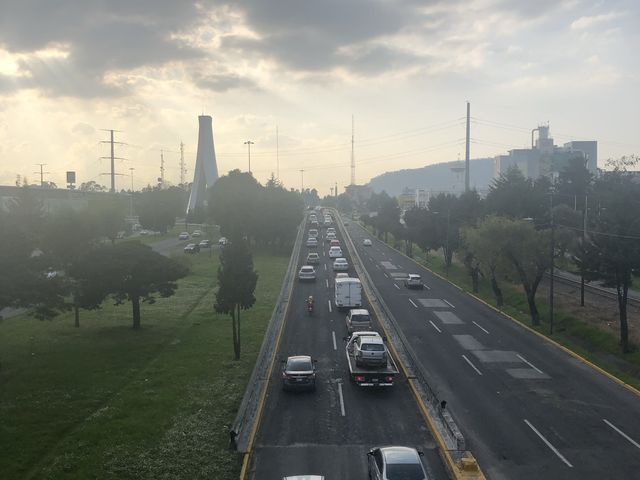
point(301, 181)
point(277, 156)
point(353, 158)
point(466, 157)
point(248, 143)
point(113, 158)
point(183, 169)
point(552, 269)
point(41, 172)
point(336, 189)
point(131, 169)
point(161, 169)
point(584, 239)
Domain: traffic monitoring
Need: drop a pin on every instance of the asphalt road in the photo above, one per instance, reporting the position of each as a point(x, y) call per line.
point(527, 409)
point(329, 431)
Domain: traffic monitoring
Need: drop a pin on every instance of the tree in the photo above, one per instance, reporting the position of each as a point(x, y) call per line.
point(236, 285)
point(128, 271)
point(527, 252)
point(157, 208)
point(92, 186)
point(107, 213)
point(574, 183)
point(512, 195)
point(612, 252)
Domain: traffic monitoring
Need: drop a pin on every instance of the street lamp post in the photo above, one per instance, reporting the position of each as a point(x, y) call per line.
point(248, 143)
point(131, 169)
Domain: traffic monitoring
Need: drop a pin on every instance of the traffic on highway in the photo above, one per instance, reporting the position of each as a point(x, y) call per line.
point(336, 405)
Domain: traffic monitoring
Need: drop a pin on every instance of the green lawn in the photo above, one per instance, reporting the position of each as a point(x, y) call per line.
point(600, 347)
point(104, 401)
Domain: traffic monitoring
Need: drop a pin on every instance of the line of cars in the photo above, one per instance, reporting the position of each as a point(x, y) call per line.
point(369, 361)
point(193, 248)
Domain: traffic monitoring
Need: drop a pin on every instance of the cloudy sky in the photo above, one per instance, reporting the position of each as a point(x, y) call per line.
point(403, 68)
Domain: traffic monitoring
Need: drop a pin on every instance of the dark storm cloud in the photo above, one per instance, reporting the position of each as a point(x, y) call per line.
point(310, 36)
point(99, 36)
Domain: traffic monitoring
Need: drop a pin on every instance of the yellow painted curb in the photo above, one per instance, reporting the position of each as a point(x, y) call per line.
point(467, 468)
point(577, 356)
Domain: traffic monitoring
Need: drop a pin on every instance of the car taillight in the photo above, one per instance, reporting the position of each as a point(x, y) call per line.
point(359, 378)
point(388, 378)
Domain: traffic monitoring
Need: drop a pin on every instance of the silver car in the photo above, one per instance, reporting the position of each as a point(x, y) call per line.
point(389, 463)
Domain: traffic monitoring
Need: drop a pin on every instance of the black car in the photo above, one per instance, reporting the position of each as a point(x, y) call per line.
point(192, 248)
point(299, 373)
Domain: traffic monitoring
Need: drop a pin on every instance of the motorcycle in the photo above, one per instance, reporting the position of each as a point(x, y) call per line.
point(310, 307)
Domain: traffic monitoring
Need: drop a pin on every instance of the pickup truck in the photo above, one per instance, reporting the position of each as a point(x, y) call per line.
point(370, 364)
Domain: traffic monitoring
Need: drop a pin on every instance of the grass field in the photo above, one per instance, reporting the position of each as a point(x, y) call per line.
point(104, 401)
point(598, 346)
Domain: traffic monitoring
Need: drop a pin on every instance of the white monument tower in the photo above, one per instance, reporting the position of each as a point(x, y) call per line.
point(206, 171)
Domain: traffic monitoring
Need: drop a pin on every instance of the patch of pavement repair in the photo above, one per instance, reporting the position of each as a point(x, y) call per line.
point(468, 342)
point(448, 318)
point(527, 374)
point(433, 303)
point(501, 356)
point(388, 265)
point(399, 274)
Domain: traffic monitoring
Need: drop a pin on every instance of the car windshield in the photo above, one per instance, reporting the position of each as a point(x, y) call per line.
point(404, 471)
point(299, 365)
point(372, 347)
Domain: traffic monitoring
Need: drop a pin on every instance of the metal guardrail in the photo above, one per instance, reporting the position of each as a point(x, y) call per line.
point(240, 432)
point(446, 424)
point(595, 290)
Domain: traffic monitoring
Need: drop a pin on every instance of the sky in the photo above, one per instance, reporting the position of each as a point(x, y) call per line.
point(404, 69)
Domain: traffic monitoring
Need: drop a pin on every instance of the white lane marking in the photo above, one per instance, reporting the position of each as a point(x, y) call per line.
point(434, 326)
point(426, 286)
point(333, 336)
point(326, 280)
point(377, 266)
point(631, 440)
point(323, 252)
point(411, 302)
point(472, 365)
point(385, 274)
point(329, 303)
point(325, 266)
point(341, 399)
point(548, 443)
point(448, 303)
point(396, 285)
point(529, 363)
point(480, 327)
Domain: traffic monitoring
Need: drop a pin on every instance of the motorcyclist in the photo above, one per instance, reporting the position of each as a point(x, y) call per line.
point(310, 302)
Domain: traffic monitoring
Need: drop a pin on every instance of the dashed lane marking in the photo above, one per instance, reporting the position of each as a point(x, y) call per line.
point(480, 327)
point(471, 364)
point(529, 363)
point(342, 412)
point(548, 443)
point(411, 302)
point(627, 437)
point(396, 285)
point(333, 336)
point(435, 326)
point(448, 302)
point(329, 303)
point(326, 280)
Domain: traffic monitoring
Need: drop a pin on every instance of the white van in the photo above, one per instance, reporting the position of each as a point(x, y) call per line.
point(347, 293)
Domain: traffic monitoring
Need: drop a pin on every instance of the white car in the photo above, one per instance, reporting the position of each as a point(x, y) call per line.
point(330, 236)
point(223, 241)
point(335, 252)
point(312, 242)
point(313, 232)
point(367, 242)
point(340, 264)
point(307, 272)
point(342, 275)
point(386, 462)
point(413, 280)
point(183, 236)
point(197, 233)
point(313, 258)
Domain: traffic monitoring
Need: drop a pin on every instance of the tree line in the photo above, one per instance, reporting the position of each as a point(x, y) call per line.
point(514, 233)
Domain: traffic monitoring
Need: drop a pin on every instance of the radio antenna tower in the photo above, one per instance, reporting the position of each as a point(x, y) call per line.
point(161, 169)
point(353, 158)
point(183, 168)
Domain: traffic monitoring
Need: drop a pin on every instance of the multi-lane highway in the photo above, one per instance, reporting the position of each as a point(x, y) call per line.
point(527, 409)
point(329, 431)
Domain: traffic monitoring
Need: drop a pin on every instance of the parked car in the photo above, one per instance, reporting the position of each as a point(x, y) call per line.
point(206, 243)
point(313, 258)
point(192, 248)
point(197, 233)
point(335, 252)
point(299, 372)
point(183, 236)
point(340, 264)
point(387, 463)
point(307, 272)
point(367, 242)
point(413, 280)
point(222, 241)
point(312, 242)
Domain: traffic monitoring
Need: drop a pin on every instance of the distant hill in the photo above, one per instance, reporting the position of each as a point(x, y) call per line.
point(438, 177)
